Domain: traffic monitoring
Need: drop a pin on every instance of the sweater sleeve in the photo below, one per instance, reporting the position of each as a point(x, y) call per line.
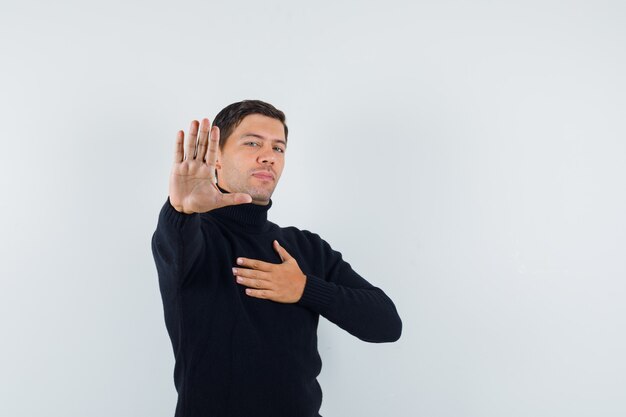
point(177, 244)
point(348, 300)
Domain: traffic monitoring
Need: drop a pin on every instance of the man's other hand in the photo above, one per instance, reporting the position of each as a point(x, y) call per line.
point(283, 282)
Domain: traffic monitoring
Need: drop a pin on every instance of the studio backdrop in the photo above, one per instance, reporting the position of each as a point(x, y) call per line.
point(466, 157)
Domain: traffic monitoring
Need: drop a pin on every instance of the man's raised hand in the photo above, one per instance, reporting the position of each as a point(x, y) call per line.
point(193, 186)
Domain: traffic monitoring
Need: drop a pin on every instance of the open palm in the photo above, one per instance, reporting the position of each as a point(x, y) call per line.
point(193, 186)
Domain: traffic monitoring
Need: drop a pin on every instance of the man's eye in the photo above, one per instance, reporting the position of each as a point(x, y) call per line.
point(280, 149)
point(251, 143)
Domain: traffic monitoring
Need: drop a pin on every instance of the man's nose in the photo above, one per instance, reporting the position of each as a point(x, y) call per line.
point(267, 155)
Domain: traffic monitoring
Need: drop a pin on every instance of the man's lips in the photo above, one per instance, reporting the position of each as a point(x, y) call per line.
point(264, 175)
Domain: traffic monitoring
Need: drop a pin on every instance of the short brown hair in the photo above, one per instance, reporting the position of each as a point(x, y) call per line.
point(230, 116)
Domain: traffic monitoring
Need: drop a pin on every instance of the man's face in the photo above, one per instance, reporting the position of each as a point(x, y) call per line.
point(253, 158)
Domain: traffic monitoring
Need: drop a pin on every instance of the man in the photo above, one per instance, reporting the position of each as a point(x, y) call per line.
point(241, 295)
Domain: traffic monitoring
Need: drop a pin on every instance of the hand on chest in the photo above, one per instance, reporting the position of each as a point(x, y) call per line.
point(268, 272)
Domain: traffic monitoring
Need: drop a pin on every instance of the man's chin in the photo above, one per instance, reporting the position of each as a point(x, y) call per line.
point(260, 196)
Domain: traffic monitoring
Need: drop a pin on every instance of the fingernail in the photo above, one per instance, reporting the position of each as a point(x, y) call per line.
point(239, 261)
point(235, 271)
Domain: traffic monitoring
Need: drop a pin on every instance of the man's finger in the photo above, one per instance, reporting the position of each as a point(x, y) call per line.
point(203, 139)
point(282, 252)
point(192, 137)
point(255, 264)
point(251, 273)
point(258, 284)
point(211, 157)
point(258, 293)
point(233, 198)
point(179, 151)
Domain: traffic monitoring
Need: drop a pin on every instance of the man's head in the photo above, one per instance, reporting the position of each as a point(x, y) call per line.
point(251, 154)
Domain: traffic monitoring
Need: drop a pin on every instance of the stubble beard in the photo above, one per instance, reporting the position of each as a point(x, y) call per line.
point(239, 184)
point(257, 193)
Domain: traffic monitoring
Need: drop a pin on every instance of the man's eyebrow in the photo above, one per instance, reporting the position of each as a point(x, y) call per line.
point(262, 137)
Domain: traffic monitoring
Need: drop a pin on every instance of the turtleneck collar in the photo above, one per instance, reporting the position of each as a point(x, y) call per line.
point(250, 216)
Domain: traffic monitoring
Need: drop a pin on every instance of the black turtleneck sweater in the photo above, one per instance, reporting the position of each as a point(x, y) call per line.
point(240, 356)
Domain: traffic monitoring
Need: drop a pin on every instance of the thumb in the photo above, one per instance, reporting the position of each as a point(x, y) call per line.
point(235, 198)
point(282, 252)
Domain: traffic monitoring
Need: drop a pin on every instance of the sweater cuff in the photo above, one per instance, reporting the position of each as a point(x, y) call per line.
point(174, 217)
point(318, 294)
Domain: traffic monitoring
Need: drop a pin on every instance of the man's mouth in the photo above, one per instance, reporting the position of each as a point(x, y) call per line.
point(264, 176)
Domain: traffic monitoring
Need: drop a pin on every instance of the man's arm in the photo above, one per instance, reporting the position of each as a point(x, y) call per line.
point(348, 300)
point(341, 295)
point(178, 241)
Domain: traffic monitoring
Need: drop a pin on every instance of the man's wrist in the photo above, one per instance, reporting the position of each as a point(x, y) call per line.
point(179, 208)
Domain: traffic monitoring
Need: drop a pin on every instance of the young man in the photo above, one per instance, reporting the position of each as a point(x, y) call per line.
point(241, 295)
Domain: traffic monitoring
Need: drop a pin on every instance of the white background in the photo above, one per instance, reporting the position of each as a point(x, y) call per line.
point(466, 157)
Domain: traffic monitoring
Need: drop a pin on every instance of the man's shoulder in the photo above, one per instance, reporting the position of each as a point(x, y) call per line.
point(296, 230)
point(300, 234)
